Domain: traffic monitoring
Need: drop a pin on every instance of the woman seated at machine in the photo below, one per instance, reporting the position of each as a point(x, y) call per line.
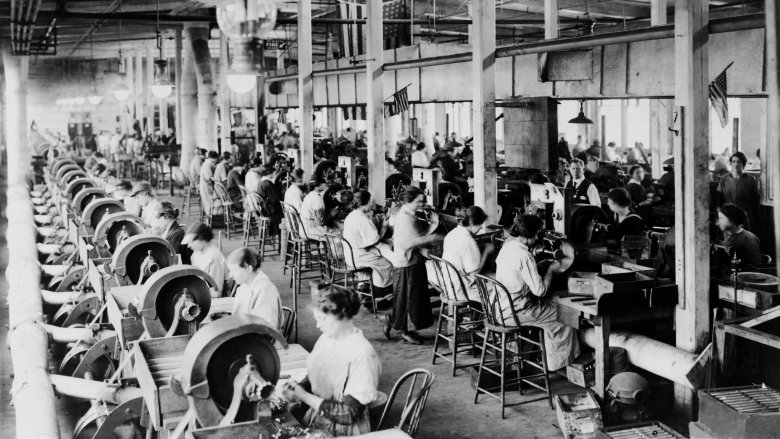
point(167, 226)
point(744, 244)
point(517, 271)
point(462, 251)
point(343, 368)
point(206, 255)
point(295, 193)
point(641, 196)
point(147, 204)
point(256, 294)
point(625, 221)
point(313, 213)
point(271, 196)
point(363, 236)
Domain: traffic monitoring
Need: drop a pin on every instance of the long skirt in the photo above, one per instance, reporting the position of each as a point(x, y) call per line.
point(410, 298)
point(381, 268)
point(560, 341)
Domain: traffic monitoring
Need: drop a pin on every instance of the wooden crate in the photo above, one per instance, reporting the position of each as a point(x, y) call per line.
point(251, 429)
point(156, 360)
point(642, 430)
point(581, 283)
point(621, 282)
point(128, 328)
point(582, 371)
point(579, 415)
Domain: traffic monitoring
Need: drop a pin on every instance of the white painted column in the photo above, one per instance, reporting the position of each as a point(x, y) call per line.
point(550, 19)
point(149, 98)
point(138, 92)
point(224, 93)
point(484, 106)
point(15, 70)
point(177, 85)
point(657, 12)
point(375, 120)
point(691, 183)
point(305, 86)
point(659, 123)
point(188, 116)
point(772, 11)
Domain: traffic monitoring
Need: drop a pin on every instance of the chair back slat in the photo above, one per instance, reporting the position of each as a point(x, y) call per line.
point(420, 382)
point(294, 221)
point(496, 302)
point(222, 193)
point(338, 247)
point(450, 281)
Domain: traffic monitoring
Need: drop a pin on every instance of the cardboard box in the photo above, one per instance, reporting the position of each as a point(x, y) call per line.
point(581, 283)
point(579, 415)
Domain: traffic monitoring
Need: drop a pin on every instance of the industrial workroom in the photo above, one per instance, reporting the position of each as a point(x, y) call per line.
point(390, 219)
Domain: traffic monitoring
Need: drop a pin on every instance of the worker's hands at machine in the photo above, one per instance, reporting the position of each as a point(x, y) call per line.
point(293, 391)
point(555, 267)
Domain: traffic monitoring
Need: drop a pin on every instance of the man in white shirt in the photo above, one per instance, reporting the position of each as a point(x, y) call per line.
point(419, 159)
point(585, 192)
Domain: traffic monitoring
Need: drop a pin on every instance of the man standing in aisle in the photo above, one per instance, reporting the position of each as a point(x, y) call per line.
point(585, 192)
point(740, 189)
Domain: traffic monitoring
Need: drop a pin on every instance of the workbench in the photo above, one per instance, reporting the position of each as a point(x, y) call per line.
point(614, 309)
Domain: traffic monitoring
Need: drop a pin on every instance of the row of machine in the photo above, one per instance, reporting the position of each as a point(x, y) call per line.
point(137, 331)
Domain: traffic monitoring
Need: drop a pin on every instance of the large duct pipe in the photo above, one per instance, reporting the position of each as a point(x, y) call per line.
point(197, 36)
point(664, 360)
point(91, 390)
point(188, 110)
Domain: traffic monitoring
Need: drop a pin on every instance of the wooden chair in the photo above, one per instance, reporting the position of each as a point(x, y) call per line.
point(416, 397)
point(491, 291)
point(456, 309)
point(337, 248)
point(288, 318)
point(253, 217)
point(231, 221)
point(268, 241)
point(191, 201)
point(304, 255)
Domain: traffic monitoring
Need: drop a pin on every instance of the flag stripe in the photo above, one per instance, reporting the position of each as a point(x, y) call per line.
point(718, 97)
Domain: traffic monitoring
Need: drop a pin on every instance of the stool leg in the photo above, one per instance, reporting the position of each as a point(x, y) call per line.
point(481, 365)
point(544, 366)
point(262, 229)
point(371, 291)
point(455, 332)
point(438, 333)
point(502, 371)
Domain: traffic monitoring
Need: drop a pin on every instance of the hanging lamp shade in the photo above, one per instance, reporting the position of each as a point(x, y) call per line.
point(240, 19)
point(121, 93)
point(581, 118)
point(246, 66)
point(162, 86)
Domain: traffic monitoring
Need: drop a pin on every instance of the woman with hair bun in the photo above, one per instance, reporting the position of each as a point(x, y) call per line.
point(461, 249)
point(167, 226)
point(206, 255)
point(363, 236)
point(626, 221)
point(256, 294)
point(343, 368)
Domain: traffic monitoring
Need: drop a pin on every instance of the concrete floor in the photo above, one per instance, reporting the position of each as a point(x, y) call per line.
point(450, 412)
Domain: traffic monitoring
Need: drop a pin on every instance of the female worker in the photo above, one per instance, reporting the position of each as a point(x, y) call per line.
point(461, 249)
point(516, 270)
point(625, 222)
point(271, 195)
point(410, 280)
point(746, 245)
point(363, 236)
point(641, 197)
point(313, 211)
point(294, 194)
point(206, 255)
point(343, 368)
point(167, 226)
point(256, 294)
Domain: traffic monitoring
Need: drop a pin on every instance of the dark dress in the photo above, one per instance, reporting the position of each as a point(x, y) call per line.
point(747, 247)
point(174, 237)
point(269, 192)
point(235, 178)
point(743, 192)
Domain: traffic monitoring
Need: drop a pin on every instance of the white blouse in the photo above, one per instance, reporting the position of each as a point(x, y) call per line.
point(212, 261)
point(261, 298)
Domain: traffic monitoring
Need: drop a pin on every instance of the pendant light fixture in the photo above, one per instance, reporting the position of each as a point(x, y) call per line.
point(581, 119)
point(246, 23)
point(122, 92)
point(162, 86)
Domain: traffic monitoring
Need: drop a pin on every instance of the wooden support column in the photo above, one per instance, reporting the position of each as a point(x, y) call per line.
point(657, 12)
point(692, 205)
point(550, 19)
point(139, 88)
point(305, 86)
point(484, 106)
point(375, 117)
point(224, 94)
point(177, 85)
point(623, 124)
point(150, 98)
point(772, 12)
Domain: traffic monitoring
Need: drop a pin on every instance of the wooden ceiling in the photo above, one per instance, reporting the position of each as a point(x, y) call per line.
point(91, 28)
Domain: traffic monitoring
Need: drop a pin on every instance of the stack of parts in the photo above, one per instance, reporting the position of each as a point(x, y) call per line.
point(738, 412)
point(644, 430)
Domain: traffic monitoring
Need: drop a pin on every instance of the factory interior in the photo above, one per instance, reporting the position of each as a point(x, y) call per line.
point(503, 218)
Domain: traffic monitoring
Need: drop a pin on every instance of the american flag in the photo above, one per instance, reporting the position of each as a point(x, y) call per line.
point(718, 93)
point(401, 100)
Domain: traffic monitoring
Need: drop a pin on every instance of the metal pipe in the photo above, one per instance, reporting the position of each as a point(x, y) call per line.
point(662, 359)
point(342, 71)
